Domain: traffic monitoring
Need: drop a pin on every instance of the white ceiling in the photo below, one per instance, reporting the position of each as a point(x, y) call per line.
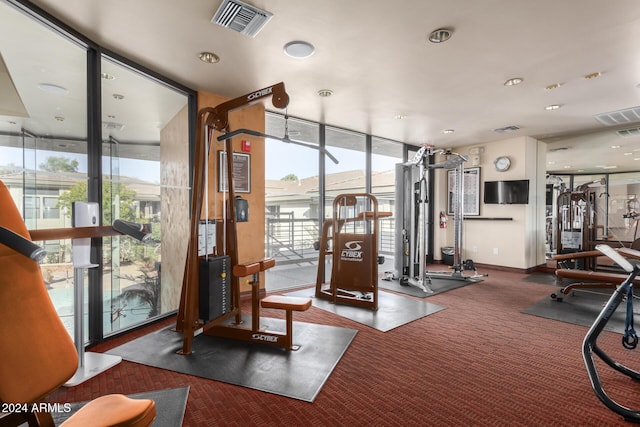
point(375, 57)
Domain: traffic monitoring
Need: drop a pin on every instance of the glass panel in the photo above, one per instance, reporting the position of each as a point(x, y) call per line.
point(348, 176)
point(135, 109)
point(623, 208)
point(385, 154)
point(43, 136)
point(292, 197)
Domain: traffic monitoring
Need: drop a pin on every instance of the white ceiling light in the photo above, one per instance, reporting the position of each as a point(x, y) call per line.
point(299, 49)
point(440, 35)
point(51, 88)
point(552, 107)
point(447, 131)
point(514, 81)
point(209, 57)
point(592, 75)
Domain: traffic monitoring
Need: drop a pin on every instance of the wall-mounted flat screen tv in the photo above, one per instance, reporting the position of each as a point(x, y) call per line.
point(506, 192)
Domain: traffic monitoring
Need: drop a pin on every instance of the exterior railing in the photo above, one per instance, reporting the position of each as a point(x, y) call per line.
point(291, 240)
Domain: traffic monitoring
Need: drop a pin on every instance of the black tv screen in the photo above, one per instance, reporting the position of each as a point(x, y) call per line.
point(506, 192)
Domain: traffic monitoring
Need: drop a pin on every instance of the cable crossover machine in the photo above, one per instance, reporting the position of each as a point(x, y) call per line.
point(413, 219)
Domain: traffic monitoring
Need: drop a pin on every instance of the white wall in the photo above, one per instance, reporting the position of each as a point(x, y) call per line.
point(517, 240)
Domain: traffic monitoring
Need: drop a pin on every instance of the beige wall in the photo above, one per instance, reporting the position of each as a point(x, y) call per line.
point(517, 242)
point(250, 234)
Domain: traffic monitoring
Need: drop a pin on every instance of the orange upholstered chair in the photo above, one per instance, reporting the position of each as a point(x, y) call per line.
point(37, 354)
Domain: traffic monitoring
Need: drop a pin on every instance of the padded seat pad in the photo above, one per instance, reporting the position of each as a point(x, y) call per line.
point(114, 410)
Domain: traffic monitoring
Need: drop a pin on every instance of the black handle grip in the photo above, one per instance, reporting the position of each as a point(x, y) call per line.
point(22, 245)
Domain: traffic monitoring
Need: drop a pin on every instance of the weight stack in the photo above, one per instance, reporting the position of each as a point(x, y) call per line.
point(215, 287)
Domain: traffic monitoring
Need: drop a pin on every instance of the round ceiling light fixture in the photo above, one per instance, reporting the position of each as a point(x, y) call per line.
point(209, 57)
point(440, 35)
point(325, 93)
point(299, 49)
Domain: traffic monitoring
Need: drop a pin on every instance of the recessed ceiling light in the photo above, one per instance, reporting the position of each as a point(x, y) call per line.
point(117, 96)
point(552, 107)
point(440, 35)
point(615, 146)
point(567, 166)
point(400, 116)
point(107, 76)
point(610, 167)
point(325, 93)
point(49, 87)
point(627, 154)
point(209, 57)
point(553, 86)
point(514, 81)
point(448, 131)
point(299, 49)
point(592, 75)
point(59, 118)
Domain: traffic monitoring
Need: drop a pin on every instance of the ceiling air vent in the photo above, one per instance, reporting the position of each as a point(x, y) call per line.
point(112, 126)
point(619, 117)
point(241, 17)
point(511, 128)
point(628, 132)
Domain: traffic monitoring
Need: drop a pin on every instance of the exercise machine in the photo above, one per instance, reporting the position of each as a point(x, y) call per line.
point(210, 297)
point(629, 339)
point(577, 222)
point(414, 219)
point(576, 238)
point(351, 238)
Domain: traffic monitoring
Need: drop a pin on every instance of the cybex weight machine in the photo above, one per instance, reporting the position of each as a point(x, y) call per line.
point(210, 298)
point(350, 237)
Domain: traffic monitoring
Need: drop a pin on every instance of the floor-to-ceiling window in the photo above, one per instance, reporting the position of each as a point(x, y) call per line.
point(52, 136)
point(134, 110)
point(299, 180)
point(349, 175)
point(292, 196)
point(385, 155)
point(43, 125)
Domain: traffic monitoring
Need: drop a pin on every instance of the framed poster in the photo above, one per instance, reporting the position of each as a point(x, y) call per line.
point(470, 190)
point(241, 172)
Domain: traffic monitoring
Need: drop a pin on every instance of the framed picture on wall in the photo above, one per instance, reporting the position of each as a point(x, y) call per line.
point(241, 172)
point(470, 190)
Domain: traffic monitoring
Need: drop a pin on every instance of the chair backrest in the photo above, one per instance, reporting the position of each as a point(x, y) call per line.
point(37, 354)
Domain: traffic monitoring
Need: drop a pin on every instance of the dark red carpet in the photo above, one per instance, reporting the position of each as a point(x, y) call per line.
point(480, 362)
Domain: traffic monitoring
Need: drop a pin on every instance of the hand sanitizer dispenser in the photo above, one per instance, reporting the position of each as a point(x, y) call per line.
point(84, 214)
